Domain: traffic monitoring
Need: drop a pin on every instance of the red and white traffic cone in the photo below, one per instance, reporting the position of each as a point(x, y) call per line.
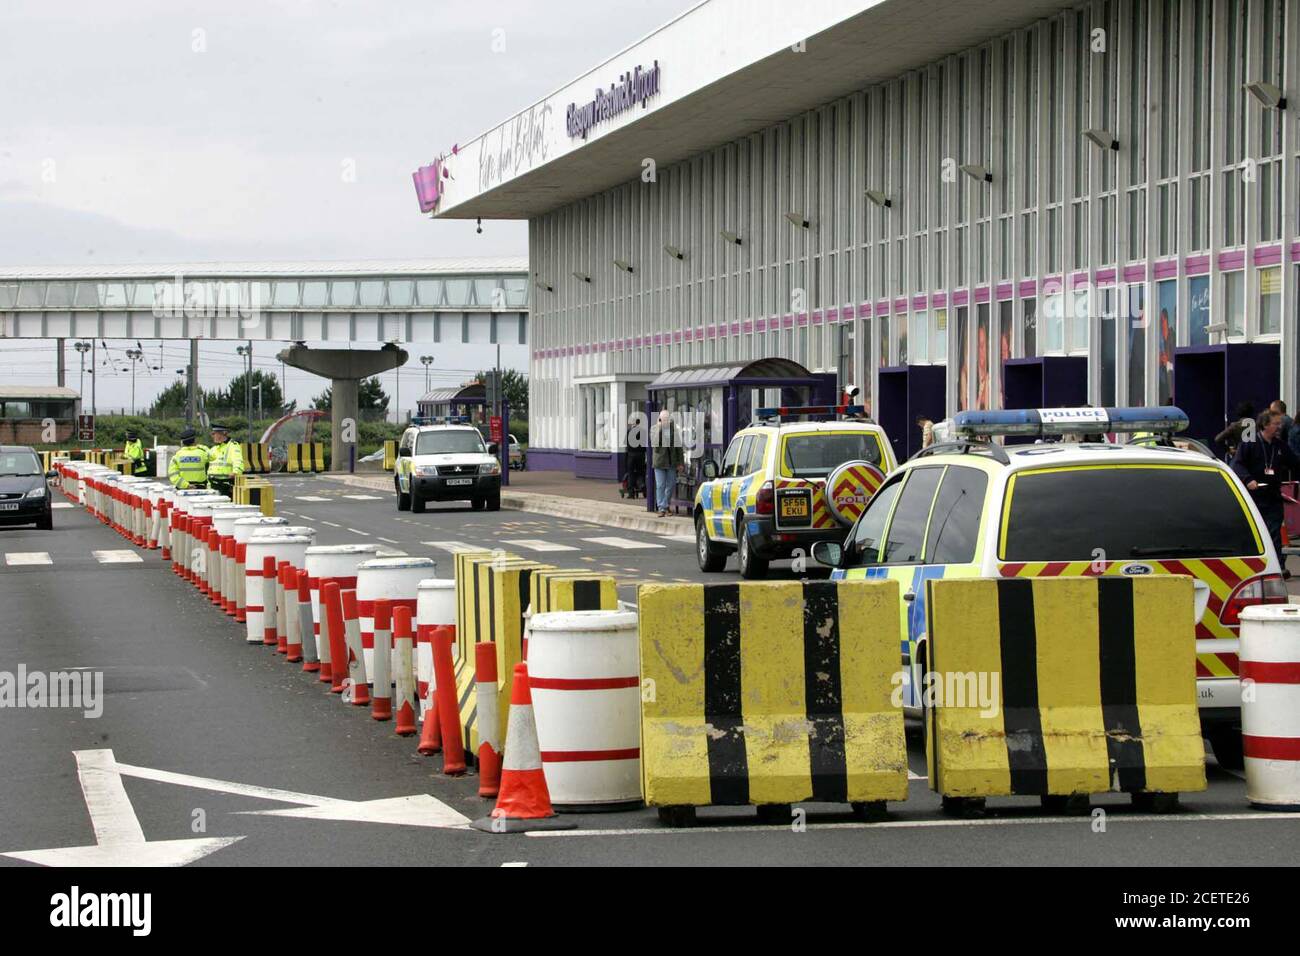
point(270, 601)
point(151, 542)
point(292, 616)
point(404, 672)
point(524, 803)
point(306, 630)
point(360, 688)
point(282, 607)
point(381, 681)
point(485, 692)
point(444, 675)
point(165, 516)
point(332, 613)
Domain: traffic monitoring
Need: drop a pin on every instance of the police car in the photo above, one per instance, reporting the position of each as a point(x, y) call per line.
point(446, 460)
point(784, 485)
point(974, 508)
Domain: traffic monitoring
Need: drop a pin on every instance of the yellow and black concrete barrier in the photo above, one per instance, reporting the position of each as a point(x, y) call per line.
point(770, 694)
point(1062, 687)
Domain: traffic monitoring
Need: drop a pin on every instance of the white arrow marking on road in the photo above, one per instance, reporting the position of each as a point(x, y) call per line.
point(420, 810)
point(119, 840)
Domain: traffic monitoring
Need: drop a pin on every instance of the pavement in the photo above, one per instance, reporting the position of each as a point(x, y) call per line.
point(218, 753)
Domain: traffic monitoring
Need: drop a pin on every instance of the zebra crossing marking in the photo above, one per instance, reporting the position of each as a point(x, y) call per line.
point(624, 544)
point(19, 558)
point(117, 557)
point(539, 544)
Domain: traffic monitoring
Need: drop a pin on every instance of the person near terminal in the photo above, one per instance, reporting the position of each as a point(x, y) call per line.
point(188, 467)
point(1230, 437)
point(225, 460)
point(134, 453)
point(668, 459)
point(1279, 406)
point(1261, 465)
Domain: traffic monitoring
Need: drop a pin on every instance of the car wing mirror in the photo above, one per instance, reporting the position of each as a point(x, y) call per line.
point(709, 469)
point(828, 553)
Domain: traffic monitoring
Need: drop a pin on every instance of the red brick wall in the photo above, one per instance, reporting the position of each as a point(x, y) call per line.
point(27, 431)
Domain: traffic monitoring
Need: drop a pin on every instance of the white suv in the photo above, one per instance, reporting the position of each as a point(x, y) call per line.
point(446, 463)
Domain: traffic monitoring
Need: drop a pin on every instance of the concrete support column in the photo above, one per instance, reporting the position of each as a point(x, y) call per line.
point(345, 368)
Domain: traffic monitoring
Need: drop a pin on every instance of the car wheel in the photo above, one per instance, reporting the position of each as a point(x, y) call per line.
point(710, 556)
point(46, 522)
point(417, 504)
point(751, 565)
point(494, 502)
point(1226, 744)
point(403, 498)
point(477, 504)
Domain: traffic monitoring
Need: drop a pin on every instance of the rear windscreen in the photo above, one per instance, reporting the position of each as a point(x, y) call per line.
point(1125, 514)
point(819, 453)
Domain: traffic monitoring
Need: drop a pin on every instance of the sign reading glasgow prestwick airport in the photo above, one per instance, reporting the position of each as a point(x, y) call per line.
point(634, 87)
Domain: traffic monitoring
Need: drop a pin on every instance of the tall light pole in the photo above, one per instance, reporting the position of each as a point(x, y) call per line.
point(427, 360)
point(247, 352)
point(82, 348)
point(134, 355)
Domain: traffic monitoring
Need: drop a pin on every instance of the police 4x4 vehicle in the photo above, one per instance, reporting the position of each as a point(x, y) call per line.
point(785, 485)
point(446, 460)
point(973, 508)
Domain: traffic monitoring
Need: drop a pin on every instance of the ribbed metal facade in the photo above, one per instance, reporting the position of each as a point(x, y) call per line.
point(1069, 249)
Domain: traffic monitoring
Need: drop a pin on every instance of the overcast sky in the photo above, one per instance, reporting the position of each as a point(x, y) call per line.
point(173, 130)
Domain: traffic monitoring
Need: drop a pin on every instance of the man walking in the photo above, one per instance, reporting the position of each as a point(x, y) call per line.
point(1261, 465)
point(668, 459)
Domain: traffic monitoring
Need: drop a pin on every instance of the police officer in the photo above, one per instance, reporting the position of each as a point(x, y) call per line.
point(188, 467)
point(225, 460)
point(134, 452)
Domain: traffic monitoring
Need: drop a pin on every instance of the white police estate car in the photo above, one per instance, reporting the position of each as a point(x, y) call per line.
point(446, 461)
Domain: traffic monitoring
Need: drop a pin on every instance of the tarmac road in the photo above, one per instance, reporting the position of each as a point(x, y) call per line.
point(185, 694)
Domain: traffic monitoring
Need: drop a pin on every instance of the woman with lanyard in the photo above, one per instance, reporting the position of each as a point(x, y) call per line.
point(1262, 465)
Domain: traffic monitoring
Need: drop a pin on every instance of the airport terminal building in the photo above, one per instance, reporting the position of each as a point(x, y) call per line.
point(947, 204)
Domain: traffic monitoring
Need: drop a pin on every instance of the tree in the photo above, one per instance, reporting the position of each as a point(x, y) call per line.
point(515, 386)
point(232, 398)
point(171, 400)
point(371, 397)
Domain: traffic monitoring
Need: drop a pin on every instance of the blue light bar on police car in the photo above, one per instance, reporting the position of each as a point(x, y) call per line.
point(1045, 422)
point(785, 411)
point(422, 420)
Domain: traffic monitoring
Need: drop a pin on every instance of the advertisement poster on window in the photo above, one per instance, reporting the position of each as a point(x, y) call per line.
point(1198, 309)
point(982, 356)
point(901, 326)
point(1137, 345)
point(1168, 293)
point(1006, 310)
point(963, 390)
point(1030, 322)
point(884, 340)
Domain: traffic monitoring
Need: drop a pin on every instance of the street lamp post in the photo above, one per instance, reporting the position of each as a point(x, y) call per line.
point(134, 355)
point(427, 360)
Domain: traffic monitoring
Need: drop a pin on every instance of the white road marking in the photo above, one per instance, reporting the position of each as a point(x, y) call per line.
point(387, 540)
point(332, 524)
point(1111, 818)
point(537, 544)
point(364, 534)
point(117, 557)
point(516, 863)
point(27, 557)
point(419, 810)
point(626, 544)
point(453, 546)
point(310, 498)
point(119, 838)
point(689, 538)
point(60, 504)
point(364, 497)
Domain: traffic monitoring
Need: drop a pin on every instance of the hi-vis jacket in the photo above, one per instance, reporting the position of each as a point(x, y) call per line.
point(134, 452)
point(188, 468)
point(225, 460)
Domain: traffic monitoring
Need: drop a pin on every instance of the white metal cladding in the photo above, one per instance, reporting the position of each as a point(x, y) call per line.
point(1201, 193)
point(463, 300)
